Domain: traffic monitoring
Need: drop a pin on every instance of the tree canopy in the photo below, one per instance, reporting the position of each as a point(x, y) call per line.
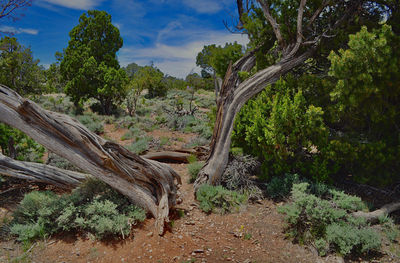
point(18, 69)
point(90, 66)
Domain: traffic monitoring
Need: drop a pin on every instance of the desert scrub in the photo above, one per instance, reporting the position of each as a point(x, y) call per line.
point(140, 145)
point(93, 207)
point(194, 169)
point(328, 223)
point(219, 199)
point(92, 122)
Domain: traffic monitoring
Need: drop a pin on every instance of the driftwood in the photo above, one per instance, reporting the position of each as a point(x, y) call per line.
point(38, 172)
point(373, 217)
point(147, 183)
point(168, 155)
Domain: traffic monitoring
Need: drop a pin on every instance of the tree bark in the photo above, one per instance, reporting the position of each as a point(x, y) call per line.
point(232, 97)
point(147, 183)
point(38, 172)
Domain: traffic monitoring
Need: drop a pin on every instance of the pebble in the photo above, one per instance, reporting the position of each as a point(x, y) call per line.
point(150, 234)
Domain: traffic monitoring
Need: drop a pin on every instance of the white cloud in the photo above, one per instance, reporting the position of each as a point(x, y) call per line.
point(74, 4)
point(177, 60)
point(13, 30)
point(207, 6)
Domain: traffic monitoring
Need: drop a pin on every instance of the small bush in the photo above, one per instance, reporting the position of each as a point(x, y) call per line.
point(280, 186)
point(214, 198)
point(93, 207)
point(92, 122)
point(141, 145)
point(194, 169)
point(329, 223)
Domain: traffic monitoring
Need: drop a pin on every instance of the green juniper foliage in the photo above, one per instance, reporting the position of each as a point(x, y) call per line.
point(93, 207)
point(345, 123)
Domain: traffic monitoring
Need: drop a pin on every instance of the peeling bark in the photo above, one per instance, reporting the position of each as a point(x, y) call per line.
point(147, 183)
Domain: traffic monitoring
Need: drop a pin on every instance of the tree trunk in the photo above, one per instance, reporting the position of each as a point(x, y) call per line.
point(232, 97)
point(147, 183)
point(11, 148)
point(38, 172)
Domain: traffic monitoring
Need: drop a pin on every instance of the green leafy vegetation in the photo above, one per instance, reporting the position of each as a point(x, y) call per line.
point(219, 199)
point(194, 169)
point(25, 148)
point(93, 207)
point(18, 69)
point(334, 126)
point(325, 219)
point(94, 41)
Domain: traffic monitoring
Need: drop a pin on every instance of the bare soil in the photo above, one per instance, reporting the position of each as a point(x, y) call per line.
point(252, 234)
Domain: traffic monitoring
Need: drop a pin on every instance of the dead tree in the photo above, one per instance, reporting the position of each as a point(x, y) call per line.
point(147, 183)
point(294, 51)
point(38, 172)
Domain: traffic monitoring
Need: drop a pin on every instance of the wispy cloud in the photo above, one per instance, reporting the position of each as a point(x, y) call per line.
point(13, 30)
point(180, 59)
point(73, 4)
point(206, 6)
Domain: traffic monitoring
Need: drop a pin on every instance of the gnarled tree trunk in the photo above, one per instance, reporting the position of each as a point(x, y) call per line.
point(147, 183)
point(232, 97)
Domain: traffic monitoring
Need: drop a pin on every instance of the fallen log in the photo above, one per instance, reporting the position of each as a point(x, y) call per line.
point(147, 183)
point(373, 217)
point(38, 172)
point(168, 155)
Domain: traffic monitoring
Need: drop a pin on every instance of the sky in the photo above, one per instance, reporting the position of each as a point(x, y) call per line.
point(168, 33)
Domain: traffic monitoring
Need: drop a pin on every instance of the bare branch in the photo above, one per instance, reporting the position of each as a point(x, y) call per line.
point(317, 13)
point(299, 35)
point(9, 6)
point(275, 26)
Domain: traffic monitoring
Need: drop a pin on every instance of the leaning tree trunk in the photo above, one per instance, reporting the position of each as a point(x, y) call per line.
point(232, 97)
point(38, 172)
point(147, 183)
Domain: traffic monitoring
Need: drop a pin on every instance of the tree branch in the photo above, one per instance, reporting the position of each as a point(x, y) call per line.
point(299, 34)
point(275, 26)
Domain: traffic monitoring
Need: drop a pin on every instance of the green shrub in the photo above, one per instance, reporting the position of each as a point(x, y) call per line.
point(141, 145)
point(329, 223)
point(214, 198)
point(92, 122)
point(132, 133)
point(93, 207)
point(194, 169)
point(281, 186)
point(26, 148)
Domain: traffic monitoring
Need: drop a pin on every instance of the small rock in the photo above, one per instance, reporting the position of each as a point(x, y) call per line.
point(199, 250)
point(150, 234)
point(180, 236)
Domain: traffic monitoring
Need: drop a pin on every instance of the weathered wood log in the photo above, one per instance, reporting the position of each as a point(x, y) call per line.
point(38, 172)
point(168, 155)
point(147, 183)
point(373, 217)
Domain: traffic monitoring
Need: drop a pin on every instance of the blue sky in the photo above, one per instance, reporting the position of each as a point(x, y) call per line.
point(167, 32)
